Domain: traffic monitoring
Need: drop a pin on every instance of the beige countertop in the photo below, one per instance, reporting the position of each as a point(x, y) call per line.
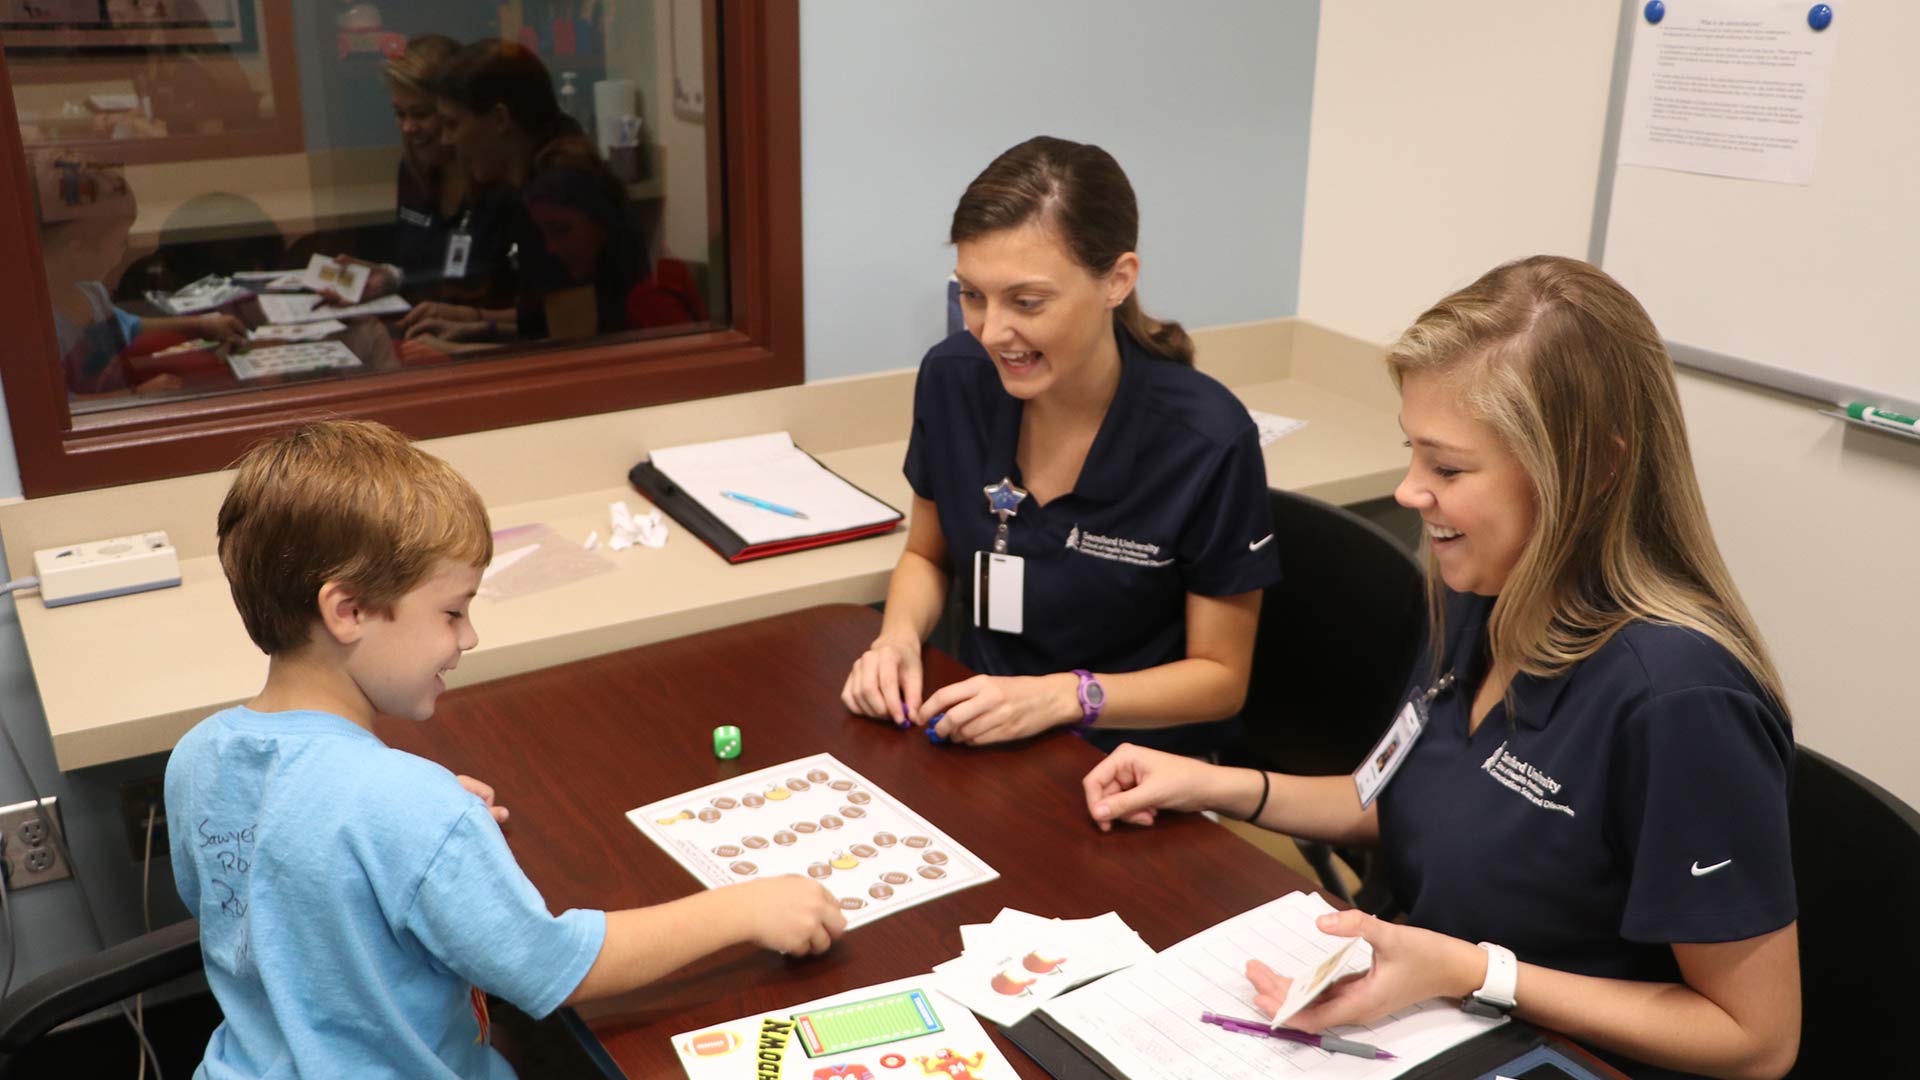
point(125, 677)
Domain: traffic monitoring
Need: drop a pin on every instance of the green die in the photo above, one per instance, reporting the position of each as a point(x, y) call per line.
point(726, 742)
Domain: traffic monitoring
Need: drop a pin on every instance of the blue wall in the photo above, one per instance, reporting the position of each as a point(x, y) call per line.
point(1206, 106)
point(901, 104)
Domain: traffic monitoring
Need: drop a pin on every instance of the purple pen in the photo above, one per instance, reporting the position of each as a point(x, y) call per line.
point(1331, 1043)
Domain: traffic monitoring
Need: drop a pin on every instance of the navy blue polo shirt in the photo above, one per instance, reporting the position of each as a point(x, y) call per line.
point(1172, 500)
point(1638, 801)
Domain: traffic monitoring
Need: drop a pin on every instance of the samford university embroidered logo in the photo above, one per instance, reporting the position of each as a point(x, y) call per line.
point(1530, 783)
point(1115, 549)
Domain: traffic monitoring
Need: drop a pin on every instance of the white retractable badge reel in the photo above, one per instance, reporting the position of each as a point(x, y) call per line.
point(1371, 778)
point(459, 248)
point(1000, 579)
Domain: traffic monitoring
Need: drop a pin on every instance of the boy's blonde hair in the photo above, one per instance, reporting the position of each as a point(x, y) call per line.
point(1567, 369)
point(350, 501)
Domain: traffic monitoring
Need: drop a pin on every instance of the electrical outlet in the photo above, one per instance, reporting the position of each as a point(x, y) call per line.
point(31, 856)
point(136, 799)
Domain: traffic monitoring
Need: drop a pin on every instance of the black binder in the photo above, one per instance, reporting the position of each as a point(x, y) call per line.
point(728, 544)
point(1539, 1055)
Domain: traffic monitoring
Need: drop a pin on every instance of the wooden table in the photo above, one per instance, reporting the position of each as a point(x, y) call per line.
point(570, 749)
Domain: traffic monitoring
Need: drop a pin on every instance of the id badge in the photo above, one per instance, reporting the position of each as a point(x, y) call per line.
point(459, 246)
point(1371, 778)
point(999, 591)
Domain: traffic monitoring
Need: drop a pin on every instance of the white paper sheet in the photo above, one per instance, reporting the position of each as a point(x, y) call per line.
point(1730, 88)
point(349, 280)
point(312, 331)
point(305, 307)
point(1146, 1020)
point(768, 467)
point(1273, 426)
point(1014, 964)
point(292, 359)
point(815, 817)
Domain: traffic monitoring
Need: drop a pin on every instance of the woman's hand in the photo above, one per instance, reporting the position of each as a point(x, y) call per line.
point(1409, 965)
point(438, 311)
point(998, 708)
point(1133, 784)
point(449, 330)
point(885, 681)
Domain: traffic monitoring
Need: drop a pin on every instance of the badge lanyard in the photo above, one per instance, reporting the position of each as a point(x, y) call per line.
point(1000, 579)
point(459, 247)
point(1384, 759)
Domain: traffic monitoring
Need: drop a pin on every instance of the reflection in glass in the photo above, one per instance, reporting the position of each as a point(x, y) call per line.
point(390, 185)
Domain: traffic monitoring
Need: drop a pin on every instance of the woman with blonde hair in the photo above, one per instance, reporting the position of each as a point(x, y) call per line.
point(451, 240)
point(1591, 774)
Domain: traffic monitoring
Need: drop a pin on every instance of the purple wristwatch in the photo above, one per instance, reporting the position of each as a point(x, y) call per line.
point(1093, 698)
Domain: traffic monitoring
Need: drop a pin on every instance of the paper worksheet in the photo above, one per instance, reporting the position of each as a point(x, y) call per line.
point(1729, 88)
point(1146, 1020)
point(305, 307)
point(813, 816)
point(1274, 427)
point(897, 1029)
point(293, 359)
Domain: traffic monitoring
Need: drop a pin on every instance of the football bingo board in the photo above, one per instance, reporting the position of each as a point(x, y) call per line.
point(816, 817)
point(894, 1031)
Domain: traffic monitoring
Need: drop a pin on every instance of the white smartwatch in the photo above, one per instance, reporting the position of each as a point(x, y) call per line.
point(1495, 996)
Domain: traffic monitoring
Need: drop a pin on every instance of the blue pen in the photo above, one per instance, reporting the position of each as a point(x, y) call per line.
point(764, 504)
point(1330, 1043)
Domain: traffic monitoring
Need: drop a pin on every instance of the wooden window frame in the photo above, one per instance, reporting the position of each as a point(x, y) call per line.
point(753, 69)
point(273, 41)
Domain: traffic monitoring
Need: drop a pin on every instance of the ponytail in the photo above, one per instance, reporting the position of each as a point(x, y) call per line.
point(1167, 340)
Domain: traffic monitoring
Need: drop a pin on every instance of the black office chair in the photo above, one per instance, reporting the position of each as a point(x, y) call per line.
point(1856, 868)
point(1338, 637)
point(557, 1047)
point(92, 983)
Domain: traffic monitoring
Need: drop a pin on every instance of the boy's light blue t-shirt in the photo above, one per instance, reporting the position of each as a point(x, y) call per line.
point(349, 894)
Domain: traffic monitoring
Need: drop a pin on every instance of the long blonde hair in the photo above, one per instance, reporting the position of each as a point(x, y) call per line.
point(1567, 369)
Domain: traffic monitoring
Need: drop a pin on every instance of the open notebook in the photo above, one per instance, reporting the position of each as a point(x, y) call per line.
point(1144, 1023)
point(687, 482)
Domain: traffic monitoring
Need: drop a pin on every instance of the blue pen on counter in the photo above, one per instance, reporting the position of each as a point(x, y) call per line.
point(764, 504)
point(1331, 1043)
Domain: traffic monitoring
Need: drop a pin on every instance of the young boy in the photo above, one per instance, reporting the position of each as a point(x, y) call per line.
point(352, 897)
point(85, 211)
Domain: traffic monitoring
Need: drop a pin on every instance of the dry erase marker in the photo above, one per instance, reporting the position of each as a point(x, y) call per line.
point(1330, 1043)
point(764, 504)
point(1867, 414)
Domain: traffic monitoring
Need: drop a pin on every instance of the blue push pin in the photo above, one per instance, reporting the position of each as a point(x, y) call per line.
point(933, 736)
point(1820, 16)
point(1655, 11)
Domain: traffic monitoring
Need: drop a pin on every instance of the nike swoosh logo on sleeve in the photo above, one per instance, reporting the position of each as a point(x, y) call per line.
point(1703, 871)
point(1260, 543)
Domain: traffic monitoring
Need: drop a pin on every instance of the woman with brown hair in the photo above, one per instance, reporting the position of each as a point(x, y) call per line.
point(578, 251)
point(1590, 777)
point(451, 241)
point(1103, 503)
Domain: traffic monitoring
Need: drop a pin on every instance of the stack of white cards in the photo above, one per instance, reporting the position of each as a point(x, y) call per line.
point(1018, 962)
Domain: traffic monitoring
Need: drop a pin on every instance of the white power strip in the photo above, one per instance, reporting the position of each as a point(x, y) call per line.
point(101, 568)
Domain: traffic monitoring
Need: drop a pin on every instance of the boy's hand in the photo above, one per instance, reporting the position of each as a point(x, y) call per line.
point(223, 328)
point(791, 915)
point(485, 792)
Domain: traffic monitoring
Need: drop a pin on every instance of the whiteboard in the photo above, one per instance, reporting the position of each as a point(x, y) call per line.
point(1809, 289)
